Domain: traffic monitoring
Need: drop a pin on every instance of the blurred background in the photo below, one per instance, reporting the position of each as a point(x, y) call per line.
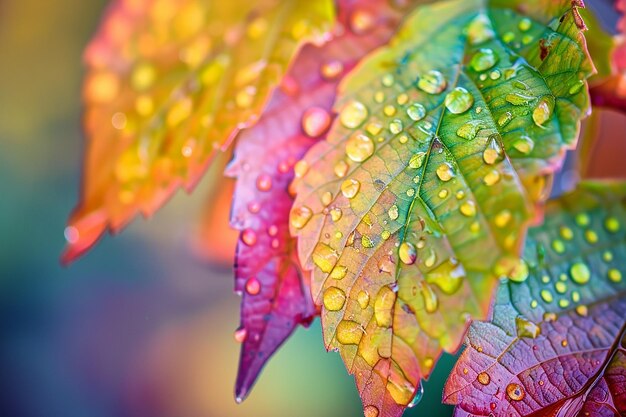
point(139, 327)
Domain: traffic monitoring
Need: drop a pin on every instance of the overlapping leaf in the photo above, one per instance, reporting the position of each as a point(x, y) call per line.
point(421, 194)
point(168, 83)
point(556, 343)
point(297, 116)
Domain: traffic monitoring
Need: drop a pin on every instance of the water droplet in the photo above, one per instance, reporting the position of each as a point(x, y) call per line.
point(241, 335)
point(341, 168)
point(520, 272)
point(350, 188)
point(445, 172)
point(519, 99)
point(327, 198)
point(315, 121)
point(524, 24)
point(560, 287)
point(359, 147)
point(371, 411)
point(300, 216)
point(443, 193)
point(483, 378)
point(331, 69)
point(334, 299)
point(547, 296)
point(353, 114)
point(483, 60)
point(615, 275)
point(339, 272)
point(526, 328)
point(558, 246)
point(580, 273)
point(248, 237)
point(408, 253)
point(324, 257)
point(349, 332)
point(459, 101)
point(576, 87)
point(524, 144)
point(515, 392)
point(491, 178)
point(543, 110)
point(612, 224)
point(480, 30)
point(430, 259)
point(431, 302)
point(393, 212)
point(582, 219)
point(470, 129)
point(416, 112)
point(364, 299)
point(433, 82)
point(253, 286)
point(468, 209)
point(389, 110)
point(264, 182)
point(361, 21)
point(493, 152)
point(119, 121)
point(582, 310)
point(505, 119)
point(448, 276)
point(419, 394)
point(503, 218)
point(395, 126)
point(335, 214)
point(383, 307)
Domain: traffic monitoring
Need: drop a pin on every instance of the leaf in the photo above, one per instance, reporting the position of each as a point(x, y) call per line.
point(409, 211)
point(297, 116)
point(168, 83)
point(556, 341)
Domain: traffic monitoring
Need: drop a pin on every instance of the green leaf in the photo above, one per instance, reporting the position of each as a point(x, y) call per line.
point(563, 313)
point(168, 84)
point(420, 196)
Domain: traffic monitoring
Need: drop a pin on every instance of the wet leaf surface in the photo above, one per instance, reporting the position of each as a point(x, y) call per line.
point(556, 342)
point(168, 83)
point(419, 198)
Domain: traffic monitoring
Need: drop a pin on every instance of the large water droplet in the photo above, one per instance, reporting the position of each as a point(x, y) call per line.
point(416, 112)
point(324, 257)
point(524, 144)
point(364, 299)
point(468, 209)
point(395, 126)
point(350, 188)
point(353, 114)
point(515, 392)
point(483, 378)
point(483, 60)
point(315, 121)
point(383, 307)
point(445, 172)
point(300, 216)
point(470, 129)
point(433, 82)
point(459, 100)
point(334, 299)
point(393, 212)
point(349, 332)
point(580, 273)
point(359, 147)
point(408, 253)
point(543, 110)
point(417, 160)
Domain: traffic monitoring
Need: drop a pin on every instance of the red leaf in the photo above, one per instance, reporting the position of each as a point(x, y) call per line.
point(298, 115)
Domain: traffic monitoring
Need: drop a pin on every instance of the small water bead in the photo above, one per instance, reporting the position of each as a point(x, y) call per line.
point(300, 216)
point(492, 178)
point(564, 343)
point(582, 219)
point(371, 411)
point(527, 39)
point(431, 302)
point(332, 69)
point(483, 378)
point(505, 119)
point(508, 37)
point(495, 75)
point(483, 60)
point(364, 299)
point(543, 110)
point(493, 152)
point(520, 272)
point(526, 328)
point(361, 21)
point(349, 332)
point(353, 114)
point(515, 392)
point(264, 182)
point(339, 272)
point(607, 256)
point(428, 363)
point(519, 99)
point(443, 193)
point(350, 188)
point(334, 299)
point(417, 160)
point(393, 212)
point(395, 126)
point(416, 112)
point(359, 147)
point(403, 139)
point(525, 24)
point(591, 236)
point(560, 287)
point(315, 122)
point(430, 259)
point(524, 144)
point(248, 237)
point(386, 264)
point(575, 296)
point(433, 82)
point(253, 286)
point(459, 100)
point(241, 335)
point(468, 209)
point(445, 172)
point(503, 218)
point(341, 168)
point(387, 80)
point(335, 214)
point(324, 257)
point(407, 253)
point(470, 129)
point(379, 97)
point(119, 121)
point(576, 87)
point(547, 296)
point(367, 241)
point(558, 246)
point(615, 275)
point(386, 234)
point(563, 303)
point(582, 310)
point(612, 224)
point(389, 110)
point(402, 99)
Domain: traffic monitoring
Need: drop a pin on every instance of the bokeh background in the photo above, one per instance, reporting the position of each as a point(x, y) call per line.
point(139, 327)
